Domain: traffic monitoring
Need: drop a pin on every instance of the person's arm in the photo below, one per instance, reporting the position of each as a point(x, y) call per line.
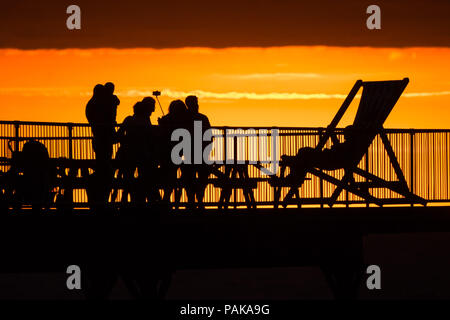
point(114, 103)
point(122, 130)
point(116, 100)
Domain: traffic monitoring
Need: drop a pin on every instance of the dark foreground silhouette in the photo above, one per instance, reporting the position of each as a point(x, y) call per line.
point(139, 241)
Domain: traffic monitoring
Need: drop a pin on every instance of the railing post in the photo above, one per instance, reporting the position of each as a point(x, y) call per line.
point(235, 156)
point(69, 128)
point(225, 131)
point(320, 179)
point(367, 179)
point(411, 164)
point(17, 134)
point(347, 204)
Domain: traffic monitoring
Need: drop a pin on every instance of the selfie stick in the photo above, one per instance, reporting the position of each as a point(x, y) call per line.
point(156, 94)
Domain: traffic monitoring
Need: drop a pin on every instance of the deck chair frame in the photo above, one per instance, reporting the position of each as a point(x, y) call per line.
point(347, 183)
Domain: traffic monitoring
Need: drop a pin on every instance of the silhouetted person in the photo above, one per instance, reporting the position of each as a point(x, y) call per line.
point(101, 113)
point(177, 118)
point(197, 174)
point(328, 159)
point(137, 151)
point(32, 175)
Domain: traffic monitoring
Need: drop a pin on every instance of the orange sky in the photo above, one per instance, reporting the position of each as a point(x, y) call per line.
point(277, 86)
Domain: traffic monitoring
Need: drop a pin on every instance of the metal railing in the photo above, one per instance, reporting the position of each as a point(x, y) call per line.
point(423, 156)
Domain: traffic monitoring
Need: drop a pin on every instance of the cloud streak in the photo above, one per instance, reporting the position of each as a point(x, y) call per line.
point(426, 94)
point(202, 94)
point(233, 95)
point(270, 76)
point(264, 96)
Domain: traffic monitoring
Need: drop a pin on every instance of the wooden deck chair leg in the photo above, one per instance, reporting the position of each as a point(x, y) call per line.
point(252, 199)
point(393, 159)
point(231, 173)
point(277, 189)
point(352, 189)
point(248, 193)
point(289, 196)
point(276, 196)
point(398, 189)
point(249, 199)
point(348, 175)
point(299, 201)
point(225, 193)
point(249, 190)
point(234, 175)
point(225, 198)
point(405, 192)
point(222, 199)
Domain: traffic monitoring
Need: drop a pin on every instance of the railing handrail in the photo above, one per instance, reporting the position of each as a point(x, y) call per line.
point(82, 124)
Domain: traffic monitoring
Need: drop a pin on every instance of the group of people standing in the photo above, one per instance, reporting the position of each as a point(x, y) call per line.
point(143, 163)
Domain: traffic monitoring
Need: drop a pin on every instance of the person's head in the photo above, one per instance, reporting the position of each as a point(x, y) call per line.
point(142, 110)
point(109, 87)
point(99, 89)
point(192, 103)
point(150, 102)
point(177, 107)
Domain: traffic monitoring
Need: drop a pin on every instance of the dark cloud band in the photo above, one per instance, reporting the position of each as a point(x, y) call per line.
point(166, 24)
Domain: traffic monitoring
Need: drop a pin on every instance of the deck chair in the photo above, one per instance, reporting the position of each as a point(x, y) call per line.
point(377, 101)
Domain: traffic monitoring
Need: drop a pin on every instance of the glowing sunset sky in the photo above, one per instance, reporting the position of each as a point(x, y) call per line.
point(274, 86)
point(252, 63)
